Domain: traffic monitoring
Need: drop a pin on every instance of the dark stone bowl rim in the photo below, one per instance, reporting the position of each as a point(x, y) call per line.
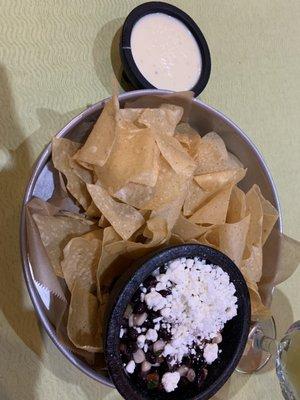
point(129, 283)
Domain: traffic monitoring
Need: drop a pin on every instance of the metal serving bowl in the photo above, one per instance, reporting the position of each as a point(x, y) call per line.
point(204, 119)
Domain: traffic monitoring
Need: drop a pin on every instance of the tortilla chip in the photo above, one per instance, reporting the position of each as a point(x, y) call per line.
point(134, 158)
point(103, 222)
point(175, 154)
point(233, 239)
point(169, 212)
point(233, 162)
point(84, 328)
point(118, 254)
point(195, 197)
point(237, 206)
point(215, 210)
point(270, 215)
point(56, 232)
point(99, 143)
point(169, 187)
point(112, 263)
point(258, 310)
point(93, 211)
point(85, 175)
point(214, 181)
point(124, 218)
point(175, 240)
point(211, 155)
point(210, 237)
point(135, 195)
point(254, 207)
point(130, 115)
point(187, 230)
point(162, 120)
point(252, 263)
point(188, 137)
point(62, 151)
point(80, 262)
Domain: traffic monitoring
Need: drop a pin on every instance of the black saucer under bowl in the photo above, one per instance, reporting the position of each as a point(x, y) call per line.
point(234, 335)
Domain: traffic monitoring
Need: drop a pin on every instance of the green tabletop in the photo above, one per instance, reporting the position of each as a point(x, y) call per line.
point(55, 59)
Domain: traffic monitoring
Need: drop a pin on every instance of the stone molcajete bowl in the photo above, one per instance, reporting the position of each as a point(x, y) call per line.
point(234, 335)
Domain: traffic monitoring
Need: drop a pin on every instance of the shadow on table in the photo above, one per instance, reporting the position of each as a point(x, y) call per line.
point(15, 166)
point(106, 53)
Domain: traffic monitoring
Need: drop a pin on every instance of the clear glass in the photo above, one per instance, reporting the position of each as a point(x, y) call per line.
point(262, 344)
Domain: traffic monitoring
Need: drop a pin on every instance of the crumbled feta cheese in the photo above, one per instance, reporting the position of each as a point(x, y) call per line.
point(146, 348)
point(165, 312)
point(152, 335)
point(155, 300)
point(141, 341)
point(170, 381)
point(231, 312)
point(169, 350)
point(201, 302)
point(157, 326)
point(189, 263)
point(130, 367)
point(210, 352)
point(122, 331)
point(160, 286)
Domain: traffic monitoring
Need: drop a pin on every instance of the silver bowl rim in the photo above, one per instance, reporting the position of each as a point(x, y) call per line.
point(36, 169)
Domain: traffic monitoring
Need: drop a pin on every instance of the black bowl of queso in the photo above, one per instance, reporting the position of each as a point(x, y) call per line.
point(162, 47)
point(177, 325)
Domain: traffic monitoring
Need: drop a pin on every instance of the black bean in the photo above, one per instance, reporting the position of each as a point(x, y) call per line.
point(160, 359)
point(132, 346)
point(148, 324)
point(184, 381)
point(151, 357)
point(162, 269)
point(139, 307)
point(136, 297)
point(124, 349)
point(165, 292)
point(201, 376)
point(142, 375)
point(164, 334)
point(186, 360)
point(150, 282)
point(124, 322)
point(125, 358)
point(154, 314)
point(164, 367)
point(150, 346)
point(132, 333)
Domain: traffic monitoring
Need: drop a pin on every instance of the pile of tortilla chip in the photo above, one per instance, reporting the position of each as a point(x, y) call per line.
point(145, 180)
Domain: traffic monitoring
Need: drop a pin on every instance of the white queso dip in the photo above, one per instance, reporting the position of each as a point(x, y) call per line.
point(166, 52)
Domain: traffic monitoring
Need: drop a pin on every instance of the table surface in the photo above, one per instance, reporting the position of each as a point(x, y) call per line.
point(55, 59)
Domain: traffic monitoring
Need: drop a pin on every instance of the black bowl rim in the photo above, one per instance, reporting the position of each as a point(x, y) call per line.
point(130, 282)
point(130, 67)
